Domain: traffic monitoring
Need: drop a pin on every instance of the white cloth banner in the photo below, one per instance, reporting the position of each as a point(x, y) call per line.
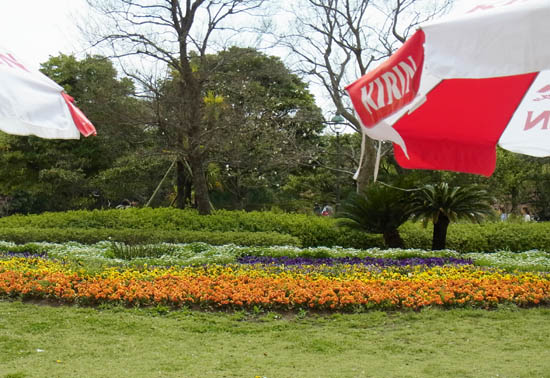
point(31, 103)
point(489, 38)
point(529, 129)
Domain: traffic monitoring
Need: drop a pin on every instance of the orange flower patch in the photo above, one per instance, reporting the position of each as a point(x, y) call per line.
point(232, 287)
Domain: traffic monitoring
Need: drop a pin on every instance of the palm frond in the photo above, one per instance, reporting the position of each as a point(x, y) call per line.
point(378, 209)
point(455, 203)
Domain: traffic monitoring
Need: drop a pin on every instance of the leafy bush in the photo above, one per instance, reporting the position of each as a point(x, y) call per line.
point(310, 230)
point(133, 237)
point(142, 226)
point(378, 209)
point(129, 251)
point(442, 204)
point(484, 237)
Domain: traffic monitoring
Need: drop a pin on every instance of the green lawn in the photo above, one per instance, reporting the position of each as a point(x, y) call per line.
point(46, 341)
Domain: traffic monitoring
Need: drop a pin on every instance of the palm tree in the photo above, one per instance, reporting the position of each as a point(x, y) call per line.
point(442, 204)
point(379, 209)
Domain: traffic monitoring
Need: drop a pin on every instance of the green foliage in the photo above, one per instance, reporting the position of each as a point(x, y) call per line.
point(433, 201)
point(515, 177)
point(270, 125)
point(134, 178)
point(379, 209)
point(129, 251)
point(443, 204)
point(484, 237)
point(500, 236)
point(328, 177)
point(310, 230)
point(143, 236)
point(258, 121)
point(135, 226)
point(416, 236)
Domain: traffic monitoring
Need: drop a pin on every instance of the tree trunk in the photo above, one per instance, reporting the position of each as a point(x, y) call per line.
point(393, 239)
point(180, 185)
point(439, 240)
point(199, 182)
point(192, 125)
point(188, 190)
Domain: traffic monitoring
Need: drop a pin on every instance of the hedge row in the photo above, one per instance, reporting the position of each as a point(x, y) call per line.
point(163, 218)
point(485, 237)
point(22, 235)
point(498, 236)
point(311, 231)
point(257, 228)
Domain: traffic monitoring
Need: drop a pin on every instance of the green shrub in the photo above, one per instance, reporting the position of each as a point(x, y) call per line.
point(484, 237)
point(129, 251)
point(414, 235)
point(139, 226)
point(133, 237)
point(310, 230)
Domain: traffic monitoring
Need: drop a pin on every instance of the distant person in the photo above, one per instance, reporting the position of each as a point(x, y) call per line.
point(327, 210)
point(503, 214)
point(317, 209)
point(526, 215)
point(124, 204)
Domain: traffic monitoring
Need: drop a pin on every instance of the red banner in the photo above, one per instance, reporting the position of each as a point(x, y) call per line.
point(391, 85)
point(458, 127)
point(81, 122)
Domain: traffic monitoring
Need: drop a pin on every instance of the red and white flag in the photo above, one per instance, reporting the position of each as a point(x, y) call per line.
point(461, 85)
point(33, 104)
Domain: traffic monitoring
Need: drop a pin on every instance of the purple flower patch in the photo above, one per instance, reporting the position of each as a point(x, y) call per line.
point(26, 255)
point(383, 262)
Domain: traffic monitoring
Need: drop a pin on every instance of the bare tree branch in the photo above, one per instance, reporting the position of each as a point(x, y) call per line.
point(178, 33)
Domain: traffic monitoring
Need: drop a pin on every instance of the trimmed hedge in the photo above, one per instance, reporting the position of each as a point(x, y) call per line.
point(22, 235)
point(485, 237)
point(500, 236)
point(311, 231)
point(257, 228)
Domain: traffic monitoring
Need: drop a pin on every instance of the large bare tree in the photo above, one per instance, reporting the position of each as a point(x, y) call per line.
point(178, 34)
point(335, 42)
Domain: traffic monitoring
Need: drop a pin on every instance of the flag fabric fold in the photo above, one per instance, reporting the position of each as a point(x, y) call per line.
point(480, 77)
point(33, 104)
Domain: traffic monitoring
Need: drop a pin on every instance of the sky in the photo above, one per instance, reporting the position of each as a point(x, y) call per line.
point(33, 30)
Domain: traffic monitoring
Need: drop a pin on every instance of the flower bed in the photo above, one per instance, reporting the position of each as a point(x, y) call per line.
point(341, 287)
point(170, 254)
point(380, 261)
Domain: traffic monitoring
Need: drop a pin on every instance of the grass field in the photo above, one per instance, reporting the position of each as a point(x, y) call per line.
point(48, 341)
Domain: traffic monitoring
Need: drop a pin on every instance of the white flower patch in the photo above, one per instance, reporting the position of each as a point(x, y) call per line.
point(202, 253)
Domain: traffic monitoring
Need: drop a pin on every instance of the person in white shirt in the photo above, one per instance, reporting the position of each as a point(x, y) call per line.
point(526, 215)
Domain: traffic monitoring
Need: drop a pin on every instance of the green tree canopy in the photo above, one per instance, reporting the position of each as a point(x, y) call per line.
point(260, 123)
point(264, 119)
